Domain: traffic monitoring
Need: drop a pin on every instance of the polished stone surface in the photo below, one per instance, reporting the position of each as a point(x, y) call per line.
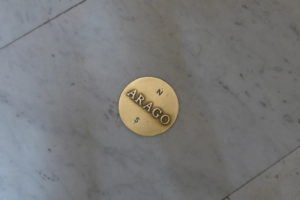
point(280, 182)
point(18, 17)
point(234, 65)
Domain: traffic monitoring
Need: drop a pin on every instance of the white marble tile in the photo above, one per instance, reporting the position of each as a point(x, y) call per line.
point(234, 65)
point(17, 17)
point(280, 182)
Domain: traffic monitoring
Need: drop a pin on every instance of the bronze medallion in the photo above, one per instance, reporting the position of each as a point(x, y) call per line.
point(148, 106)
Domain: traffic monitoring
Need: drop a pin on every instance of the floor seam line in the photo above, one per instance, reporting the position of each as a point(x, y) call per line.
point(227, 197)
point(44, 23)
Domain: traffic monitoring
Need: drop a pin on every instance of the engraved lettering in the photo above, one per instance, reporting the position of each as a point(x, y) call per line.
point(159, 91)
point(148, 107)
point(165, 119)
point(131, 94)
point(136, 120)
point(140, 100)
point(156, 112)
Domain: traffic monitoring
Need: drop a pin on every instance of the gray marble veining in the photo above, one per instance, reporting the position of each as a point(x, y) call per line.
point(18, 17)
point(280, 182)
point(234, 65)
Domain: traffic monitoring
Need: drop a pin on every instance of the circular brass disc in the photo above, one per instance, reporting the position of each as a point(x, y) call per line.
point(148, 106)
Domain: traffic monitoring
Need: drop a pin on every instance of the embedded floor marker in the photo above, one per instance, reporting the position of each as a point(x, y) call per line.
point(148, 106)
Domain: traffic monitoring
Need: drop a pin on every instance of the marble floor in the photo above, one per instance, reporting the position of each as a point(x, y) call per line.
point(235, 66)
